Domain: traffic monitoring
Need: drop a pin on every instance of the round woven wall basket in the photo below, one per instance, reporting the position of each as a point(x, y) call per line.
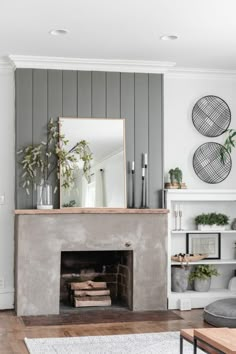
point(211, 116)
point(212, 163)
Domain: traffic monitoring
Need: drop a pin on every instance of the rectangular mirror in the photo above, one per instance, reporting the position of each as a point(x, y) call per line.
point(104, 183)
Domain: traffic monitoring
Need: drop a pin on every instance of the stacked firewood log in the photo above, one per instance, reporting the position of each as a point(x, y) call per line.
point(89, 293)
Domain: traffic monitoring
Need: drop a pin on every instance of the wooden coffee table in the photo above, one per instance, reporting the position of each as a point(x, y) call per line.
point(221, 340)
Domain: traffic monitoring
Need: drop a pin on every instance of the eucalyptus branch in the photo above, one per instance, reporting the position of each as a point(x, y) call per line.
point(40, 161)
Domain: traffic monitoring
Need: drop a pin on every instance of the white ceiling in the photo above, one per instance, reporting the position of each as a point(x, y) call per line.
point(123, 29)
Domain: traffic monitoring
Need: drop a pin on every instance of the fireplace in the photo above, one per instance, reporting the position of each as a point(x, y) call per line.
point(43, 237)
point(112, 269)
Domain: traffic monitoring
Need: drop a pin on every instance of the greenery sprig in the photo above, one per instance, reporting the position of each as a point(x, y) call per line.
point(39, 161)
point(203, 271)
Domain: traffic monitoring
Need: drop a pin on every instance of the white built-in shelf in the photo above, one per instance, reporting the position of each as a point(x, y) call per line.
point(208, 261)
point(203, 232)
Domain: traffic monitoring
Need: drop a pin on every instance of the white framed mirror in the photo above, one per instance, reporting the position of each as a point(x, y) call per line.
point(105, 183)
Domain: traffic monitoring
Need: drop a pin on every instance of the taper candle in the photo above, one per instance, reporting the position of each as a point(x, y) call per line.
point(145, 159)
point(132, 168)
point(143, 172)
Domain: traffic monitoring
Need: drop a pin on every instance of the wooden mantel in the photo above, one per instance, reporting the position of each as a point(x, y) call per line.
point(90, 211)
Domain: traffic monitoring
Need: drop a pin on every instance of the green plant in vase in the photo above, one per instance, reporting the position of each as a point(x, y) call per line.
point(201, 276)
point(213, 220)
point(40, 161)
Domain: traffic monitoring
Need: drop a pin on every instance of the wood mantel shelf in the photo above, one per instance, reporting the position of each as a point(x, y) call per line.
point(90, 211)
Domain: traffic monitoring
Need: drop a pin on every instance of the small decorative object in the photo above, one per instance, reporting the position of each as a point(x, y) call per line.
point(180, 217)
point(44, 196)
point(212, 163)
point(71, 204)
point(212, 222)
point(178, 214)
point(211, 116)
point(40, 161)
point(182, 257)
point(146, 180)
point(143, 188)
point(232, 283)
point(176, 177)
point(179, 278)
point(185, 304)
point(205, 244)
point(133, 183)
point(201, 277)
point(233, 225)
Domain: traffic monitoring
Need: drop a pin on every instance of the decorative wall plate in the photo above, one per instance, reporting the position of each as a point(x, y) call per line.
point(211, 116)
point(209, 165)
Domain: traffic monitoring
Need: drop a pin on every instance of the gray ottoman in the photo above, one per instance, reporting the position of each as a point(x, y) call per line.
point(221, 313)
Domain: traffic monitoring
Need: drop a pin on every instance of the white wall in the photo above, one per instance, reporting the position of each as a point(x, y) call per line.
point(7, 188)
point(181, 139)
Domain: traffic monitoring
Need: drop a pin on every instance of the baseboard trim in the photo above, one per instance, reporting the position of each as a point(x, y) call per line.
point(6, 299)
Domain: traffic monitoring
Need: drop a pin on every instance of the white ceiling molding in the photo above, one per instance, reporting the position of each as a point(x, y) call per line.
point(181, 72)
point(6, 65)
point(138, 66)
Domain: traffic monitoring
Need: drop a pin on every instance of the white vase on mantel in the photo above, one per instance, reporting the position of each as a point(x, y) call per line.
point(213, 227)
point(44, 196)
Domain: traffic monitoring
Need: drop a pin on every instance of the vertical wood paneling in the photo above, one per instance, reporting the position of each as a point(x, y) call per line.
point(135, 97)
point(69, 93)
point(98, 94)
point(141, 129)
point(23, 129)
point(84, 94)
point(40, 114)
point(113, 95)
point(55, 109)
point(155, 141)
point(127, 112)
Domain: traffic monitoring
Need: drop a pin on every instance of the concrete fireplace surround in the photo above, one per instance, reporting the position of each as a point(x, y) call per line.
point(42, 235)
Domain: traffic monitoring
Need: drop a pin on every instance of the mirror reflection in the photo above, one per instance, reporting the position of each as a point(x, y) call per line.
point(104, 184)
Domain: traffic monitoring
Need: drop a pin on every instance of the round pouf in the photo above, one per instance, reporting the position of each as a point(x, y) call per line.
point(221, 313)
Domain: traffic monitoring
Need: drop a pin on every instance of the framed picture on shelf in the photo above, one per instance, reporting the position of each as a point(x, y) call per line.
point(207, 243)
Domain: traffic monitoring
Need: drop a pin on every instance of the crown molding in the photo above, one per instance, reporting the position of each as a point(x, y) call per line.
point(183, 72)
point(6, 65)
point(59, 63)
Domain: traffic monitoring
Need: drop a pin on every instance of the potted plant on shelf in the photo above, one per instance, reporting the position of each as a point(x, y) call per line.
point(176, 177)
point(201, 277)
point(211, 222)
point(41, 161)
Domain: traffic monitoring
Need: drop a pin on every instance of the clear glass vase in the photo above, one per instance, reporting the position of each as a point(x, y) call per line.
point(44, 196)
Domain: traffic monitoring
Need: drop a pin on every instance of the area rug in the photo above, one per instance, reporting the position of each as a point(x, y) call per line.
point(146, 343)
point(100, 316)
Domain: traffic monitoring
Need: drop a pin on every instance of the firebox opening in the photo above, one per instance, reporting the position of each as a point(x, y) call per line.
point(95, 279)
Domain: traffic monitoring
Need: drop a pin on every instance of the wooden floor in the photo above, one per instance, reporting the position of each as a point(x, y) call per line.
point(13, 330)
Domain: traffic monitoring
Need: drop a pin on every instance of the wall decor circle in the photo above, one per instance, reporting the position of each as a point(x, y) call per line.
point(212, 163)
point(211, 116)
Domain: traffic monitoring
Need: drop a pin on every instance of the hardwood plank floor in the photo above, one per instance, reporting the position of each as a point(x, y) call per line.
point(13, 330)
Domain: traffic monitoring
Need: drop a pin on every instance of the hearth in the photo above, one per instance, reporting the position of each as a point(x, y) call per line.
point(96, 278)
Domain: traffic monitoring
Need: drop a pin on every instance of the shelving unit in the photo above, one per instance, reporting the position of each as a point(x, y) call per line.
point(195, 202)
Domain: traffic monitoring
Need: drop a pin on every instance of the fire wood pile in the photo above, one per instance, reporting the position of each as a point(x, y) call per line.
point(89, 293)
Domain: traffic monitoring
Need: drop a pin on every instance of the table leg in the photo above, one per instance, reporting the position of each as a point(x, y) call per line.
point(194, 345)
point(181, 345)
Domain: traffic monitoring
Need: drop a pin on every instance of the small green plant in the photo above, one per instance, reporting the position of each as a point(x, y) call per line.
point(212, 219)
point(176, 175)
point(203, 271)
point(71, 204)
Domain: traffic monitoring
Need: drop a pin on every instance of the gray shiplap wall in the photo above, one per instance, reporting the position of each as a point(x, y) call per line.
point(41, 94)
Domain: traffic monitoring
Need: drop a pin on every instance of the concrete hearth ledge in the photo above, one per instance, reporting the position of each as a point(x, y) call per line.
point(91, 211)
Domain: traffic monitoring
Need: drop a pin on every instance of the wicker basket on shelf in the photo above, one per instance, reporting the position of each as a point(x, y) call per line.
point(187, 258)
